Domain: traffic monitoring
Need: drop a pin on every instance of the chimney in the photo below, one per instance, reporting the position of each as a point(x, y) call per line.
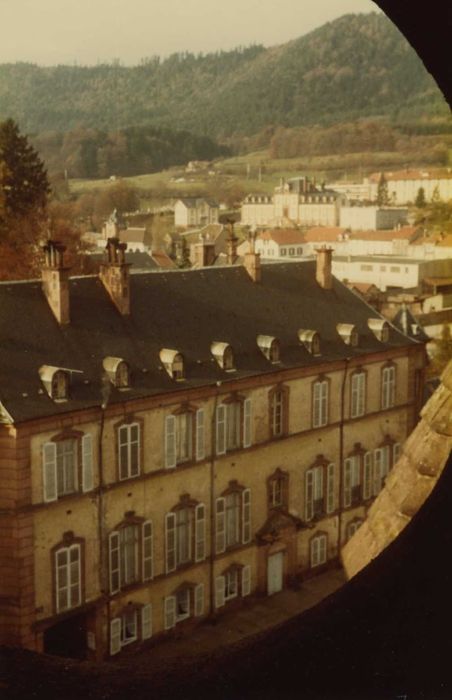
point(115, 275)
point(252, 260)
point(323, 272)
point(231, 245)
point(55, 281)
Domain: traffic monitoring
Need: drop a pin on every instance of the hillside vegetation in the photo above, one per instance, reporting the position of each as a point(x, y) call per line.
point(356, 66)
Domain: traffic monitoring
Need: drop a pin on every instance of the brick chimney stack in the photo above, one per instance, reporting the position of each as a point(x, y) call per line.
point(323, 273)
point(55, 281)
point(115, 275)
point(231, 245)
point(252, 260)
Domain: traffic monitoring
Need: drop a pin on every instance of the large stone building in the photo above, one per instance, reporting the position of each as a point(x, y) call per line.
point(173, 442)
point(295, 202)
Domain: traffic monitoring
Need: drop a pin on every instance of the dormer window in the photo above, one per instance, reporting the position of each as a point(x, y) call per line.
point(269, 347)
point(224, 355)
point(380, 328)
point(348, 334)
point(173, 362)
point(311, 340)
point(56, 382)
point(118, 372)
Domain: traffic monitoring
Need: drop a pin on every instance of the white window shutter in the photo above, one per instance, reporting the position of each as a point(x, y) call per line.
point(347, 483)
point(247, 423)
point(199, 600)
point(246, 516)
point(115, 580)
point(115, 636)
point(147, 553)
point(322, 549)
point(170, 442)
point(87, 463)
point(378, 458)
point(220, 432)
point(200, 532)
point(367, 487)
point(219, 591)
point(49, 472)
point(316, 405)
point(246, 580)
point(309, 494)
point(170, 538)
point(220, 526)
point(170, 612)
point(362, 394)
point(324, 403)
point(396, 452)
point(315, 551)
point(146, 621)
point(200, 447)
point(330, 489)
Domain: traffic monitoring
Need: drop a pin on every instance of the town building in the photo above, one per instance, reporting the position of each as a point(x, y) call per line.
point(174, 442)
point(404, 185)
point(278, 243)
point(364, 218)
point(195, 211)
point(295, 202)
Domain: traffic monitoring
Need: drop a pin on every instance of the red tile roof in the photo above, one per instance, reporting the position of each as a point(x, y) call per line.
point(163, 260)
point(283, 236)
point(406, 233)
point(317, 234)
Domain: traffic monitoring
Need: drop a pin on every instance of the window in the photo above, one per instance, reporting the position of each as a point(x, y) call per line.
point(223, 355)
point(388, 387)
point(358, 394)
point(283, 251)
point(320, 404)
point(117, 371)
point(233, 425)
point(278, 405)
point(366, 268)
point(291, 251)
point(278, 488)
point(352, 480)
point(233, 518)
point(125, 629)
point(319, 495)
point(185, 534)
point(235, 581)
point(130, 553)
point(55, 381)
point(182, 604)
point(68, 577)
point(311, 340)
point(60, 462)
point(318, 550)
point(184, 437)
point(173, 362)
point(348, 334)
point(269, 347)
point(129, 450)
point(380, 328)
point(299, 251)
point(353, 527)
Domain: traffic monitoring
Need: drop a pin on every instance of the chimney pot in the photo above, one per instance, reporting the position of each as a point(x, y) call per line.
point(55, 281)
point(324, 275)
point(115, 275)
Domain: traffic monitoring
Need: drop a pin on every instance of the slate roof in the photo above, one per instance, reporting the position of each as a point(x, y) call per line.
point(179, 309)
point(408, 324)
point(140, 261)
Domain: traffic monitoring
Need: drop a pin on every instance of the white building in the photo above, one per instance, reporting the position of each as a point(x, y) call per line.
point(404, 185)
point(277, 243)
point(193, 211)
point(384, 272)
point(362, 218)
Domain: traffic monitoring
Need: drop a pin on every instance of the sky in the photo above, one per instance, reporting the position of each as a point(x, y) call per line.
point(87, 32)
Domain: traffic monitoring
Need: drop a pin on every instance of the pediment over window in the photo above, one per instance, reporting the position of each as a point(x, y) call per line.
point(277, 522)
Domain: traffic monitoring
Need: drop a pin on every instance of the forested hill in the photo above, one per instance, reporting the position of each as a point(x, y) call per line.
point(355, 66)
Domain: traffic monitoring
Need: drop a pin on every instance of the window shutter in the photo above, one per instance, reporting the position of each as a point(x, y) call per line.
point(316, 406)
point(246, 516)
point(367, 489)
point(200, 449)
point(347, 483)
point(322, 549)
point(170, 442)
point(396, 452)
point(324, 403)
point(200, 532)
point(220, 526)
point(147, 558)
point(87, 462)
point(247, 423)
point(115, 636)
point(221, 430)
point(49, 472)
point(199, 600)
point(361, 394)
point(330, 488)
point(377, 470)
point(219, 591)
point(170, 612)
point(115, 581)
point(385, 460)
point(246, 580)
point(309, 494)
point(146, 621)
point(170, 537)
point(314, 551)
point(391, 386)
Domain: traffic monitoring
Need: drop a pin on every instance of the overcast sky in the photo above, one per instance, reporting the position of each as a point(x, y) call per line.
point(91, 31)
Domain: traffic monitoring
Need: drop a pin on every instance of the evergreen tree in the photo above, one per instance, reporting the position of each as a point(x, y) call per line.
point(382, 191)
point(420, 198)
point(24, 182)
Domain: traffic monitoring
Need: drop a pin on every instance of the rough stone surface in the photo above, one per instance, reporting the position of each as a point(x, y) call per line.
point(412, 480)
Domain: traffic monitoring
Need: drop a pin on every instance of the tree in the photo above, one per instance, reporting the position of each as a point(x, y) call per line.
point(420, 198)
point(442, 351)
point(24, 182)
point(382, 191)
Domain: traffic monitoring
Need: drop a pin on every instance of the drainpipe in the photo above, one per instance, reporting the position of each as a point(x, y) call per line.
point(103, 567)
point(341, 456)
point(212, 505)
